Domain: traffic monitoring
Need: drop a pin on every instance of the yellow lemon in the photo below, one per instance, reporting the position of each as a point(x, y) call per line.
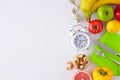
point(113, 26)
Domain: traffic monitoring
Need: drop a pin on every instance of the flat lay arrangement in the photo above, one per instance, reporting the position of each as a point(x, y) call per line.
point(106, 52)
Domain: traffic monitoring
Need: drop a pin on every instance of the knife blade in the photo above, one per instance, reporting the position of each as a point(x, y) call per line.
point(107, 48)
point(113, 58)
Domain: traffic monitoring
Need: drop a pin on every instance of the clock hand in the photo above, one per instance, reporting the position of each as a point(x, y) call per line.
point(85, 40)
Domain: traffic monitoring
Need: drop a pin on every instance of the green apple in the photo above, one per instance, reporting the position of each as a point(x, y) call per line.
point(105, 13)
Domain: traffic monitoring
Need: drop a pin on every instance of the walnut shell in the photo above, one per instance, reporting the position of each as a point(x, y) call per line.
point(80, 61)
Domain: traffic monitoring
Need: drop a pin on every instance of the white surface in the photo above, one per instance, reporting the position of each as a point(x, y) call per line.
point(34, 41)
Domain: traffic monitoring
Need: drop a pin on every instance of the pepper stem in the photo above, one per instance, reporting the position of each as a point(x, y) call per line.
point(102, 72)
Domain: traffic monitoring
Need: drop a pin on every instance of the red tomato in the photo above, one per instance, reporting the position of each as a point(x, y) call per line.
point(95, 26)
point(117, 12)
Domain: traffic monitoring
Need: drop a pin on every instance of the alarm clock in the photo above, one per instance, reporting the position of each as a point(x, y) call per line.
point(79, 37)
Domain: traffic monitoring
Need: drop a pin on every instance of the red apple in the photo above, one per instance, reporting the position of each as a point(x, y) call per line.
point(117, 12)
point(95, 26)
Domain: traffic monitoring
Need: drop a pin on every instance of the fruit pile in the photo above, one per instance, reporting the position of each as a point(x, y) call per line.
point(90, 6)
point(105, 13)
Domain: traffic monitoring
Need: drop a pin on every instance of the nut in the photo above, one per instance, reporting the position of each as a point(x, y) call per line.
point(80, 61)
point(70, 65)
point(81, 67)
point(85, 59)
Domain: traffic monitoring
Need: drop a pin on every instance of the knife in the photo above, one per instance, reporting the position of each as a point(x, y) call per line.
point(115, 58)
point(107, 48)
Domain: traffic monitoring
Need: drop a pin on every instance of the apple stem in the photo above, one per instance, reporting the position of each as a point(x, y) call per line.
point(106, 13)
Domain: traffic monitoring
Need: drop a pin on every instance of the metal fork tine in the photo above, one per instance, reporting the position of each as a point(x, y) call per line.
point(98, 52)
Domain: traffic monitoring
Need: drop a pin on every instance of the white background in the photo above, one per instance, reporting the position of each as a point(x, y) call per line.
point(34, 39)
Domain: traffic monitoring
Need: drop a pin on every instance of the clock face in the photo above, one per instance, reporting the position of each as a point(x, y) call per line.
point(81, 41)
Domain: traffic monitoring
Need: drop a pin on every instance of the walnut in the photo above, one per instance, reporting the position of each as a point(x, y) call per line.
point(80, 61)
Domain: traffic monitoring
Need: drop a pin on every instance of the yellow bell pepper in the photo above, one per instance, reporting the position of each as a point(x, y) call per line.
point(102, 73)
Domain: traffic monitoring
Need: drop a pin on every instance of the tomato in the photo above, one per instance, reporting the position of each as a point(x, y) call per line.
point(95, 26)
point(117, 12)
